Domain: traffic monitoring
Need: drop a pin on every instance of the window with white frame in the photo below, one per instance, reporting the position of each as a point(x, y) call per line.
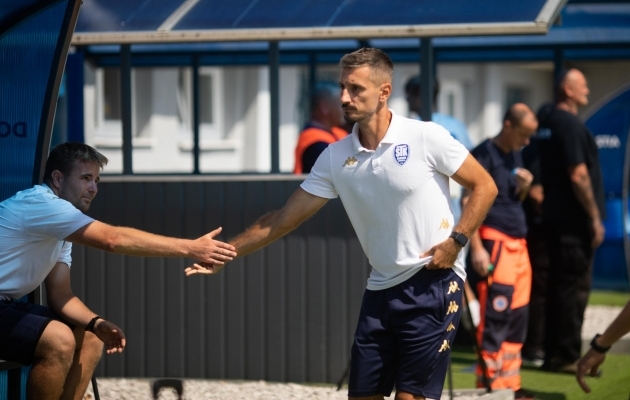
point(211, 104)
point(515, 94)
point(451, 99)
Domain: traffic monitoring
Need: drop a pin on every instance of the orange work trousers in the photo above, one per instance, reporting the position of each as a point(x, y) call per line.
point(503, 299)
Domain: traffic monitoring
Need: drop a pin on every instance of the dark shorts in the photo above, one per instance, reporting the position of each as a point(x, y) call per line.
point(21, 326)
point(404, 335)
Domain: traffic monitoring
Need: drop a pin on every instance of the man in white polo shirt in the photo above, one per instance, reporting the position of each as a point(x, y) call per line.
point(392, 175)
point(64, 341)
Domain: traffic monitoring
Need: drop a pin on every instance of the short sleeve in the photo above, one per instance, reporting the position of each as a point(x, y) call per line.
point(442, 151)
point(54, 217)
point(66, 254)
point(320, 181)
point(482, 155)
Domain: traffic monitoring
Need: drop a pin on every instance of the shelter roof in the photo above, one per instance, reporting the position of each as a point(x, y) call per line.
point(164, 21)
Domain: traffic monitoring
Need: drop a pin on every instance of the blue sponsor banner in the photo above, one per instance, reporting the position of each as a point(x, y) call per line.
point(610, 126)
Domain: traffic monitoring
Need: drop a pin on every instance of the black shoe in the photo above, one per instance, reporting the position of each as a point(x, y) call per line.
point(533, 358)
point(523, 394)
point(560, 366)
point(532, 362)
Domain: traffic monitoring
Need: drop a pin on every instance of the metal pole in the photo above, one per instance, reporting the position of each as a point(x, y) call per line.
point(558, 68)
point(125, 104)
point(427, 78)
point(274, 93)
point(196, 115)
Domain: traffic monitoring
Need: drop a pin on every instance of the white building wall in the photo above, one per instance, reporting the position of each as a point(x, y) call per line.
point(163, 140)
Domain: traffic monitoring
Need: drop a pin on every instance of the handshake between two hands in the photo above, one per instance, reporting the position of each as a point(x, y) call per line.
point(211, 255)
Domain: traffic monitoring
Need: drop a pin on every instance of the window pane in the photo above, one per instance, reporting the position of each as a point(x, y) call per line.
point(111, 93)
point(205, 94)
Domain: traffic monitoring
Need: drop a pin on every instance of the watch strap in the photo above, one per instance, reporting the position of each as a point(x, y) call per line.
point(597, 347)
point(90, 326)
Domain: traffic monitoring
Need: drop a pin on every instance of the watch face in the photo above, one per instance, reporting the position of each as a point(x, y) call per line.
point(460, 238)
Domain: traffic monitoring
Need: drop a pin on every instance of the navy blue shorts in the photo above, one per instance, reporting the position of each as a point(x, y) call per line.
point(21, 326)
point(404, 335)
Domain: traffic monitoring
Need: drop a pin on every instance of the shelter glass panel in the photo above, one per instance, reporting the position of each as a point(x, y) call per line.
point(129, 15)
point(24, 76)
point(244, 14)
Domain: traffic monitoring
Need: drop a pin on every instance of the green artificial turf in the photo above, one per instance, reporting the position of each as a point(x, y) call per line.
point(607, 298)
point(614, 384)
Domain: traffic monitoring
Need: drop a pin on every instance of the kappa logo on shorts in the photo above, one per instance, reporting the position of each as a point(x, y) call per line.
point(500, 303)
point(453, 287)
point(450, 327)
point(445, 346)
point(401, 153)
point(452, 308)
point(444, 224)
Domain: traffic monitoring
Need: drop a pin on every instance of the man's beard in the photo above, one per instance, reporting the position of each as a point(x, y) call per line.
point(356, 118)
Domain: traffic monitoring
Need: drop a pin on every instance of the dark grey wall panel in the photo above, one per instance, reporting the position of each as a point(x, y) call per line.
point(285, 313)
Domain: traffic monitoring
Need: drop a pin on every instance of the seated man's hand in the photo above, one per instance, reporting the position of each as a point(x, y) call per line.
point(203, 268)
point(207, 250)
point(111, 335)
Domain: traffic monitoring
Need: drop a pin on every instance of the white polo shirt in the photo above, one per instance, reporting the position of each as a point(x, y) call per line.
point(397, 196)
point(33, 226)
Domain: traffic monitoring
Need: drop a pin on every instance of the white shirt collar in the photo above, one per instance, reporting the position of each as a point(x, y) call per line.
point(390, 136)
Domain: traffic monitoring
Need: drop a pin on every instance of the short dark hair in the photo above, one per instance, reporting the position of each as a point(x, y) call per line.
point(414, 86)
point(516, 113)
point(64, 156)
point(324, 91)
point(376, 59)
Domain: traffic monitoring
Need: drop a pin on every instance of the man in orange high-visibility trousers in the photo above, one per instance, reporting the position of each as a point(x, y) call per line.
point(498, 264)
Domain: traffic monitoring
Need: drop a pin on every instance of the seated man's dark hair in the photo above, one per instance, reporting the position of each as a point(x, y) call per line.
point(64, 156)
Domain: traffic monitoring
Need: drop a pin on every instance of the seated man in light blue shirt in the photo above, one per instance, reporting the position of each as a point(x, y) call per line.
point(453, 125)
point(456, 128)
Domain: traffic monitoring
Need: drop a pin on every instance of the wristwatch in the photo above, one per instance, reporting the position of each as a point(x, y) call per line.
point(597, 347)
point(459, 238)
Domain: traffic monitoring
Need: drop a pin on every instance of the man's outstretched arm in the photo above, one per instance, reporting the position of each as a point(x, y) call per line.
point(268, 228)
point(134, 242)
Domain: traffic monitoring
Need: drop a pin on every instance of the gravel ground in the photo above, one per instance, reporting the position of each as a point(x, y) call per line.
point(139, 389)
point(596, 319)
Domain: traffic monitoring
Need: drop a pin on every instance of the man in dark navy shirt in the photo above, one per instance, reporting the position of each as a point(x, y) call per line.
point(573, 210)
point(498, 264)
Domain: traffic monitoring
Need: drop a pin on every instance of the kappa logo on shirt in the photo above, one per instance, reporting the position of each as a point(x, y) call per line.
point(350, 161)
point(444, 224)
point(401, 153)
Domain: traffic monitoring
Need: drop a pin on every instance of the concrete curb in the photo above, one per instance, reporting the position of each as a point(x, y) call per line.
point(479, 394)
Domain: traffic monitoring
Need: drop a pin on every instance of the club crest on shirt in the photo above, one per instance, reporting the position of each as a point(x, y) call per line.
point(401, 153)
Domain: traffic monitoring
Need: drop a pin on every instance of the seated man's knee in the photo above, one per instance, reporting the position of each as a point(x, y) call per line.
point(57, 343)
point(89, 343)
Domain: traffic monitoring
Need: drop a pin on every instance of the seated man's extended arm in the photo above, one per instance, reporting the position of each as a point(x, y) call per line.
point(472, 176)
point(300, 206)
point(130, 241)
point(62, 301)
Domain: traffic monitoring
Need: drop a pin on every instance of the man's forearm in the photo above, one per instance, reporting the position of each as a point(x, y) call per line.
point(583, 189)
point(72, 310)
point(476, 208)
point(263, 232)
